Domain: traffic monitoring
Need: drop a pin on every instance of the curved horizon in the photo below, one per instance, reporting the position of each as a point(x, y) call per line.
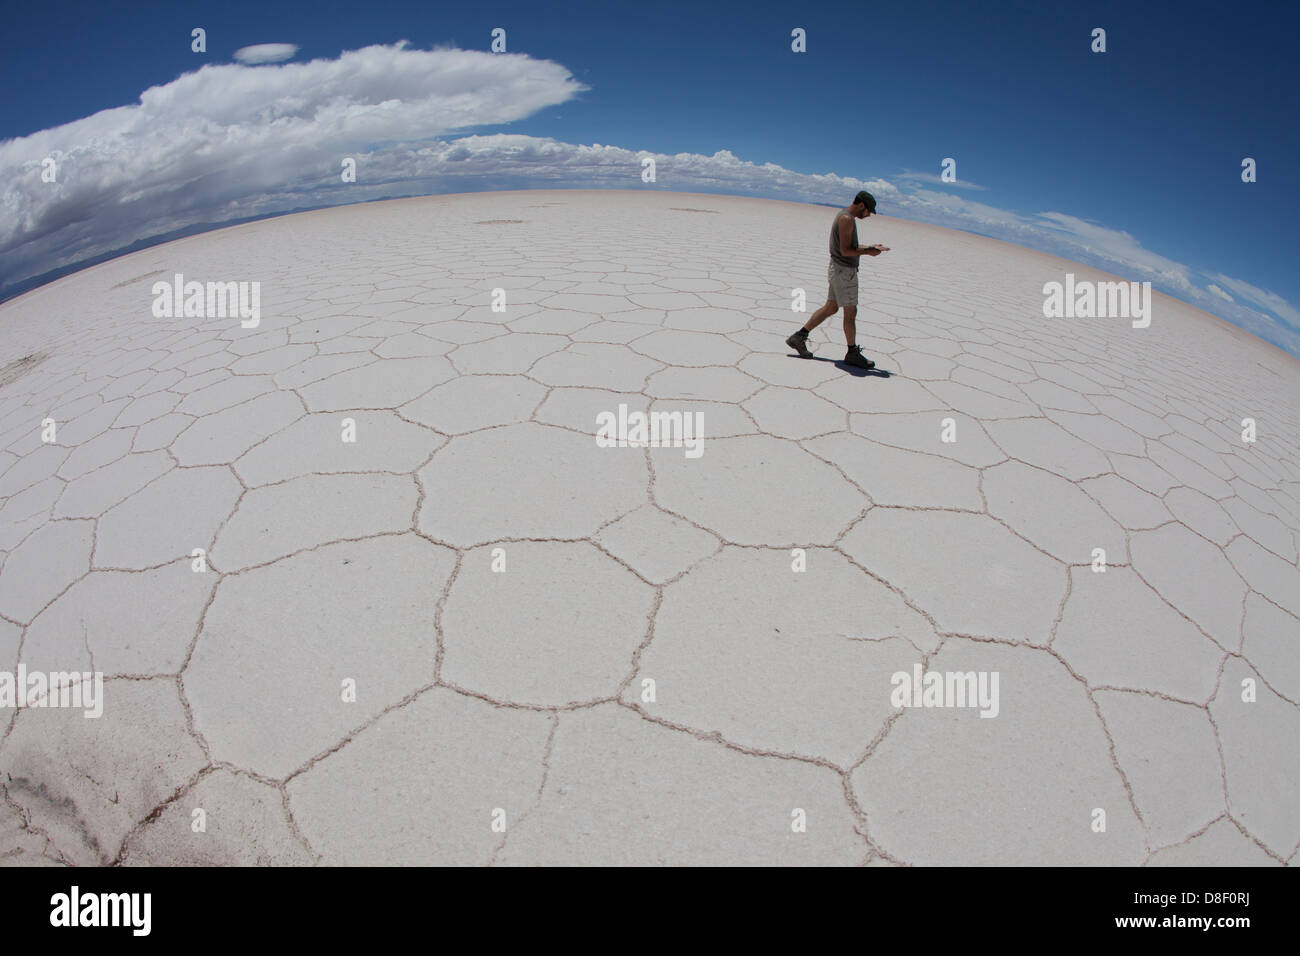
point(185, 141)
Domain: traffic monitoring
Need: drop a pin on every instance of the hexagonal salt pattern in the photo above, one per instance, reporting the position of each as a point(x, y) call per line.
point(363, 586)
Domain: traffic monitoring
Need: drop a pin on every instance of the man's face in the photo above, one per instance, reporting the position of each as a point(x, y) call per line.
point(861, 211)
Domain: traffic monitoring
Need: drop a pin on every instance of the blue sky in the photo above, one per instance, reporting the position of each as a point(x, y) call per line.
point(1127, 160)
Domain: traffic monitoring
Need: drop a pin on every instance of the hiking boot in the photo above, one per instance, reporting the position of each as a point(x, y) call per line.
point(855, 357)
point(799, 342)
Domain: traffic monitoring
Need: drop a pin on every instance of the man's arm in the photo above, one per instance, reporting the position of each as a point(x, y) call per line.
point(846, 233)
point(846, 237)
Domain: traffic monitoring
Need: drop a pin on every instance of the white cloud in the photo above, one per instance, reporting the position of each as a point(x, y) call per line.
point(1219, 292)
point(265, 53)
point(938, 180)
point(1059, 233)
point(1268, 300)
point(947, 209)
point(1114, 245)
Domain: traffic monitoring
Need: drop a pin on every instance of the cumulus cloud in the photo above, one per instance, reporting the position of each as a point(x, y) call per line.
point(235, 141)
point(266, 53)
point(230, 141)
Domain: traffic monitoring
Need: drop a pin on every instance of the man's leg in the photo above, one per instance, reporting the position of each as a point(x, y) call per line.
point(821, 315)
point(849, 280)
point(854, 355)
point(799, 341)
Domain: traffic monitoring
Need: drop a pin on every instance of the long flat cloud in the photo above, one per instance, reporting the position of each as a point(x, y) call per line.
point(266, 53)
point(233, 141)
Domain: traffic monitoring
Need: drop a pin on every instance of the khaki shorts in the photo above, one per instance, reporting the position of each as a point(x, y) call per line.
point(843, 281)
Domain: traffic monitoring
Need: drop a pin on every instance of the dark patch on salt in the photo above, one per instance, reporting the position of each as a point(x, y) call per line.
point(16, 370)
point(147, 275)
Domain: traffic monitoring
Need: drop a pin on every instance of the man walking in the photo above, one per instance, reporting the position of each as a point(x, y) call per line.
point(842, 274)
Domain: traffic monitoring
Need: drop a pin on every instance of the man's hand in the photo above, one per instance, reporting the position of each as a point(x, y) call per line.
point(874, 250)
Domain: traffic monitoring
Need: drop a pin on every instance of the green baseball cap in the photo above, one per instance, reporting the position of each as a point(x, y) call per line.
point(866, 199)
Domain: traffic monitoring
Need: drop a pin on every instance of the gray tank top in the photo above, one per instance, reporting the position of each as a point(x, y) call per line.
point(852, 263)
